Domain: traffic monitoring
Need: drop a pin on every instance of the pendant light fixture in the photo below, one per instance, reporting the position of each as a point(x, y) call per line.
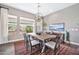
point(38, 16)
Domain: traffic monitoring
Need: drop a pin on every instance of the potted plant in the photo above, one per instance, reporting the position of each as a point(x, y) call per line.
point(28, 29)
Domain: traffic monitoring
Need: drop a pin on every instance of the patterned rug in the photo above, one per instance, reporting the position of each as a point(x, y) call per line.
point(65, 49)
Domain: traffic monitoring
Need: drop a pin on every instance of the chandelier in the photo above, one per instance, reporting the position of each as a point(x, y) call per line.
point(38, 16)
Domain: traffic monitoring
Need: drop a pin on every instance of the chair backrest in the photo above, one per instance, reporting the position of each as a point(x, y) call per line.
point(58, 41)
point(39, 33)
point(27, 39)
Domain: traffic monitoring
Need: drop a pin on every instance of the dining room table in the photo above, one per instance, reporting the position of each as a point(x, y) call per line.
point(43, 37)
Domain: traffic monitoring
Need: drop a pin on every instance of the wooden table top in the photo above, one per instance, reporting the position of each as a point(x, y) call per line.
point(42, 36)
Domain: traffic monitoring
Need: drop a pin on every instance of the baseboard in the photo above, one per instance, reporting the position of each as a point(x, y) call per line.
point(72, 43)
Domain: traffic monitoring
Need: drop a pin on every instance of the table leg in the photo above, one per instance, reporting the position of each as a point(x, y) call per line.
point(43, 47)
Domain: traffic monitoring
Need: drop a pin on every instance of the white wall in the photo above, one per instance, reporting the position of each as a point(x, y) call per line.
point(69, 16)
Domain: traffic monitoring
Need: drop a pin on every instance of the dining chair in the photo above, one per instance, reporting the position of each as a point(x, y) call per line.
point(30, 42)
point(55, 46)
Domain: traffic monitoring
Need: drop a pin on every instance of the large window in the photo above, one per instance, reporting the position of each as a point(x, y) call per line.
point(27, 25)
point(17, 26)
point(12, 26)
point(56, 27)
point(12, 23)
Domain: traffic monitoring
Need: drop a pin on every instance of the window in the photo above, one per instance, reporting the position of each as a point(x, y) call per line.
point(56, 27)
point(17, 28)
point(27, 25)
point(12, 23)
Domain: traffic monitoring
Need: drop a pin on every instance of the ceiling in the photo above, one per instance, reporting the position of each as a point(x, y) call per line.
point(45, 8)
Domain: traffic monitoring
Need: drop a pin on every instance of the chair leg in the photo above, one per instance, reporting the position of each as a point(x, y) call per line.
point(26, 47)
point(55, 52)
point(39, 46)
point(30, 49)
